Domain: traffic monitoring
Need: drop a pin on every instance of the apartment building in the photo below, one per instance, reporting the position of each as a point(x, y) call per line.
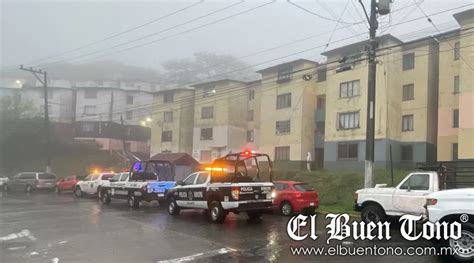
point(405, 110)
point(100, 111)
point(220, 118)
point(456, 92)
point(287, 109)
point(172, 121)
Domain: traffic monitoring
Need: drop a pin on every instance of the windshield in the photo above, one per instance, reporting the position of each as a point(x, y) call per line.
point(303, 188)
point(237, 168)
point(47, 176)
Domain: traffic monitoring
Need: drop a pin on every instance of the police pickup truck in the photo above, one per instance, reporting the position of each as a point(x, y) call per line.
point(147, 181)
point(240, 182)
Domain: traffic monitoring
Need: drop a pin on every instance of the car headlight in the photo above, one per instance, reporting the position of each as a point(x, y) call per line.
point(273, 194)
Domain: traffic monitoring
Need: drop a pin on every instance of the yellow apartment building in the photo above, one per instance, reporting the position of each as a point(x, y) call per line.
point(172, 121)
point(221, 110)
point(287, 109)
point(405, 110)
point(456, 91)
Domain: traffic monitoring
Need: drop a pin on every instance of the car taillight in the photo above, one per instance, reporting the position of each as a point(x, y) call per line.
point(235, 193)
point(431, 201)
point(274, 194)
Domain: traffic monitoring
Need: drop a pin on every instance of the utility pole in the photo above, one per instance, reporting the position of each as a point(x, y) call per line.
point(124, 150)
point(382, 8)
point(43, 81)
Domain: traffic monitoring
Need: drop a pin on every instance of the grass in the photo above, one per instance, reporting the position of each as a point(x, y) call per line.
point(336, 188)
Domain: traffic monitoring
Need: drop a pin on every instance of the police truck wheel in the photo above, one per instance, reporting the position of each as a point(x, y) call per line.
point(173, 208)
point(464, 246)
point(133, 201)
point(28, 188)
point(216, 212)
point(78, 191)
point(372, 213)
point(106, 197)
point(254, 215)
point(286, 209)
point(99, 193)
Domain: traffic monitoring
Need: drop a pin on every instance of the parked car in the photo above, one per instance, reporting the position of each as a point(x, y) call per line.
point(92, 184)
point(67, 184)
point(450, 206)
point(3, 179)
point(147, 181)
point(294, 197)
point(239, 182)
point(30, 181)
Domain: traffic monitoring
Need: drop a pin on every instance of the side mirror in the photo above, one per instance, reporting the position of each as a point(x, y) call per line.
point(179, 182)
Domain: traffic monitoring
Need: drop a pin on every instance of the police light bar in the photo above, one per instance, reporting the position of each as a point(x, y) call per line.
point(215, 169)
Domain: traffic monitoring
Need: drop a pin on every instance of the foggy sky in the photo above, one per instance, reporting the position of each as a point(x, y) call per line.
point(32, 30)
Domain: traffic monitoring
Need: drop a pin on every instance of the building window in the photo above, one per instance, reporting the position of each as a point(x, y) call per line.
point(283, 127)
point(167, 116)
point(456, 118)
point(408, 92)
point(207, 112)
point(209, 91)
point(407, 122)
point(87, 127)
point(322, 74)
point(206, 156)
point(129, 99)
point(409, 61)
point(347, 151)
point(285, 74)
point(89, 110)
point(206, 134)
point(455, 151)
point(90, 94)
point(166, 136)
point(250, 115)
point(283, 101)
point(282, 153)
point(349, 89)
point(251, 94)
point(406, 153)
point(457, 50)
point(168, 96)
point(129, 115)
point(456, 85)
point(348, 120)
point(320, 103)
point(250, 136)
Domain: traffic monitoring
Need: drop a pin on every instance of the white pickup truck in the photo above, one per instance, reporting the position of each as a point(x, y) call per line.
point(408, 197)
point(450, 206)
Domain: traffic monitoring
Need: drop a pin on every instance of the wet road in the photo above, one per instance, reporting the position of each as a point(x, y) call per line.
point(62, 228)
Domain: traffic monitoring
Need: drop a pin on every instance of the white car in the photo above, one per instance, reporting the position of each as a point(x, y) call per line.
point(92, 184)
point(408, 197)
point(455, 205)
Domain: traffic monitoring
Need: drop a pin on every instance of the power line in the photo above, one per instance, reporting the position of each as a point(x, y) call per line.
point(321, 16)
point(122, 32)
point(165, 30)
point(437, 29)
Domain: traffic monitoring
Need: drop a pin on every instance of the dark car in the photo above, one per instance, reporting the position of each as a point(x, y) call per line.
point(30, 181)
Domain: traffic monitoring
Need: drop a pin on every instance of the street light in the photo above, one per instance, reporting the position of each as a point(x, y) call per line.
point(148, 119)
point(143, 123)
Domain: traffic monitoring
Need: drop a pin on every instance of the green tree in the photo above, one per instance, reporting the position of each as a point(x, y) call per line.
point(204, 66)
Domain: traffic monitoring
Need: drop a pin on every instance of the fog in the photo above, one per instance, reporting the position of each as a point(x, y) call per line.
point(33, 30)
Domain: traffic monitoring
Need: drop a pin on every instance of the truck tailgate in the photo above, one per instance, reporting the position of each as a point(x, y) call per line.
point(160, 187)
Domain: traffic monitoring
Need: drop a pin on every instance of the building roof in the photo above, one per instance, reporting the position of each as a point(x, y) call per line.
point(301, 60)
point(466, 14)
point(359, 46)
point(204, 84)
point(174, 89)
point(176, 158)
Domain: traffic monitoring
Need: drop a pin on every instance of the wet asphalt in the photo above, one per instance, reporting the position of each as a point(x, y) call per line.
point(46, 227)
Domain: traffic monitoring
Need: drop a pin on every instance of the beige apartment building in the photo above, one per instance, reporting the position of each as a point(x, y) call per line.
point(222, 118)
point(287, 109)
point(456, 91)
point(172, 121)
